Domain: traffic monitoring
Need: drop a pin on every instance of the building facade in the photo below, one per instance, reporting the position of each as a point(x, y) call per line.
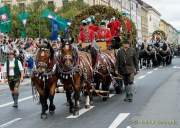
point(171, 32)
point(153, 21)
point(144, 23)
point(24, 3)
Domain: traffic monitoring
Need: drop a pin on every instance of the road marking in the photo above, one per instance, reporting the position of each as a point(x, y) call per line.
point(119, 119)
point(141, 77)
point(111, 95)
point(81, 112)
point(149, 72)
point(176, 67)
point(155, 69)
point(10, 122)
point(20, 100)
point(128, 127)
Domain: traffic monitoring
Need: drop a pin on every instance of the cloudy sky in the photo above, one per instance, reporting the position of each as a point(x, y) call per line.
point(169, 9)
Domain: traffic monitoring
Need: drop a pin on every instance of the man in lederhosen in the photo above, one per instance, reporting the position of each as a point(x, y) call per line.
point(127, 66)
point(14, 71)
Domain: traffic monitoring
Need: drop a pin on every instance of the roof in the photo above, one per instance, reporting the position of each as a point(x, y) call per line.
point(149, 7)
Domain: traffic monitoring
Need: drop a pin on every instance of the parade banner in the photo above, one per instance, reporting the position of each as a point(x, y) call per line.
point(5, 19)
point(53, 16)
point(54, 30)
point(23, 16)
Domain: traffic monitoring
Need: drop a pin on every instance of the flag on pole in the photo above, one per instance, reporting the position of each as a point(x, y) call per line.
point(23, 16)
point(5, 19)
point(55, 28)
point(53, 16)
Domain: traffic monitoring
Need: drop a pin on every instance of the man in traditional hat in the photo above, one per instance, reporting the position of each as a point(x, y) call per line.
point(127, 67)
point(14, 71)
point(104, 34)
point(86, 35)
point(91, 23)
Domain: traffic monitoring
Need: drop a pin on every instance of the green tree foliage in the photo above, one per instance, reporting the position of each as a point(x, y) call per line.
point(72, 9)
point(102, 12)
point(36, 26)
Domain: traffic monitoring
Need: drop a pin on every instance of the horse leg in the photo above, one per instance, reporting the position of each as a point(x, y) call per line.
point(69, 99)
point(44, 105)
point(52, 107)
point(105, 87)
point(88, 95)
point(140, 61)
point(76, 98)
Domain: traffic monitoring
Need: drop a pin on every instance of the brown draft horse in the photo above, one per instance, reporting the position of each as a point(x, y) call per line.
point(44, 77)
point(75, 72)
point(105, 71)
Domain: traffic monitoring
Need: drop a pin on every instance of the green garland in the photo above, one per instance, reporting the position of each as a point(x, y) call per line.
point(102, 12)
point(161, 33)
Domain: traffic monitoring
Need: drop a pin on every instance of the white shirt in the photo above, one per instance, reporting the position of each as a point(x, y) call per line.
point(11, 67)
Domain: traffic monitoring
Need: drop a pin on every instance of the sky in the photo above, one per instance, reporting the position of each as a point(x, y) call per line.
point(169, 9)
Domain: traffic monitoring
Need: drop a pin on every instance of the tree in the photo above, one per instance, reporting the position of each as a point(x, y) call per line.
point(72, 9)
point(36, 26)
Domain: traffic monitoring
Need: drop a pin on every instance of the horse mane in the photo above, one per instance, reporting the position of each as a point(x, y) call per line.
point(51, 50)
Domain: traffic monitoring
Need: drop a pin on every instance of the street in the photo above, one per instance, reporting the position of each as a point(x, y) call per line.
point(155, 105)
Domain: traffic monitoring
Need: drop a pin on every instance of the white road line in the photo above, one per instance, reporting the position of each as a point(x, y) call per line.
point(176, 67)
point(111, 95)
point(81, 112)
point(119, 119)
point(155, 69)
point(10, 122)
point(20, 100)
point(149, 72)
point(141, 77)
point(128, 127)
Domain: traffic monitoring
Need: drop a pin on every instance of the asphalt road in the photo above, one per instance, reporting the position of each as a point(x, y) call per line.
point(156, 105)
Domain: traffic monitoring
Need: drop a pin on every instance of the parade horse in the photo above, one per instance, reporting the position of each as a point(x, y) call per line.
point(146, 56)
point(165, 54)
point(75, 73)
point(44, 78)
point(104, 70)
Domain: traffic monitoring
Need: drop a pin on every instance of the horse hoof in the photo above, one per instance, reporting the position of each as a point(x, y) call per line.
point(52, 108)
point(71, 111)
point(91, 102)
point(75, 113)
point(104, 99)
point(51, 112)
point(87, 106)
point(44, 116)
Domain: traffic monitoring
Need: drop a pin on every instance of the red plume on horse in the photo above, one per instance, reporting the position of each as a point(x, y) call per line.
point(75, 72)
point(44, 77)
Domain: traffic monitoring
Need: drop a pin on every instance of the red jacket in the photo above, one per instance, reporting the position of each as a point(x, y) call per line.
point(104, 34)
point(114, 27)
point(93, 27)
point(86, 37)
point(128, 25)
